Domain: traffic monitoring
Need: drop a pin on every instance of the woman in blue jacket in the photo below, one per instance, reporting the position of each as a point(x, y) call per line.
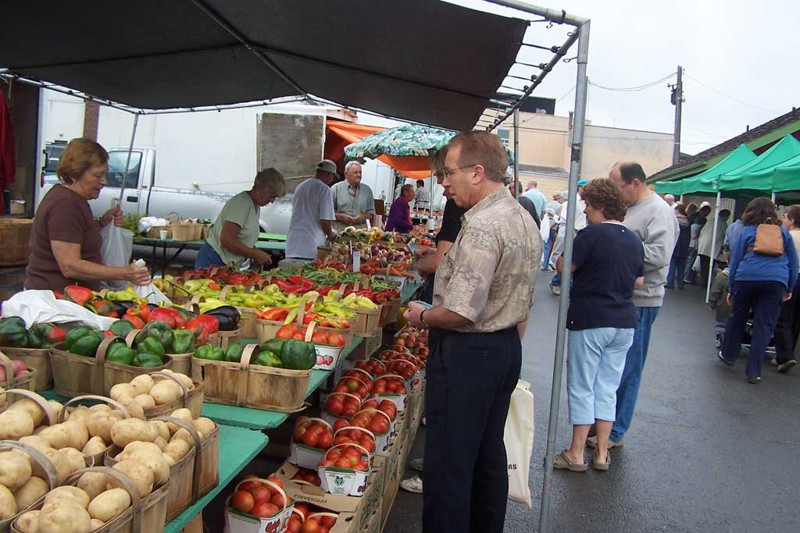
point(759, 283)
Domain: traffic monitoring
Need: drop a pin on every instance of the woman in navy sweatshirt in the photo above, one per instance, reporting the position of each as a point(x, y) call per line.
point(760, 283)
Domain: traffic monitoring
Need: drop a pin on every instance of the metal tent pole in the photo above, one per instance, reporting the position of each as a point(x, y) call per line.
point(713, 245)
point(516, 153)
point(128, 162)
point(566, 274)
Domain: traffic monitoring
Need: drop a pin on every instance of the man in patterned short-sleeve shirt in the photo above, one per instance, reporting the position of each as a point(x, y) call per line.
point(483, 291)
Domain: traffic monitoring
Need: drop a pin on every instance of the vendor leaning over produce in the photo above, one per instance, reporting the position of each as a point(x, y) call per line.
point(353, 202)
point(312, 214)
point(65, 243)
point(400, 213)
point(235, 232)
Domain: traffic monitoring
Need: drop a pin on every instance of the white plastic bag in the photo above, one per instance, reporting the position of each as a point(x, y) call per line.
point(518, 438)
point(145, 223)
point(151, 292)
point(116, 251)
point(42, 306)
point(544, 229)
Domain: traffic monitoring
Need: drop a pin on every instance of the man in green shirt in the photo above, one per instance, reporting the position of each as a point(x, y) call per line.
point(353, 202)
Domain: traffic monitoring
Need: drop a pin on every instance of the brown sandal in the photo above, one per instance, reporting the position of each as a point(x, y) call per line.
point(601, 465)
point(562, 462)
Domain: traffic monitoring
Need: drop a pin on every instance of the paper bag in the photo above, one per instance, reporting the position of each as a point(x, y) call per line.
point(518, 438)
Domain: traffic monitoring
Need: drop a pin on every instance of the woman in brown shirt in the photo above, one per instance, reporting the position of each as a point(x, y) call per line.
point(65, 240)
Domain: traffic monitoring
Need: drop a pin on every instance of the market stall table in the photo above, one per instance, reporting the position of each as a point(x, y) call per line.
point(271, 237)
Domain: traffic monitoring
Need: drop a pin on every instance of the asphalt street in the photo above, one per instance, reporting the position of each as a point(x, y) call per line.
point(706, 451)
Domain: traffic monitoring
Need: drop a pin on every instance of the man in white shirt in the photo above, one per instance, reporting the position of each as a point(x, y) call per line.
point(353, 202)
point(312, 214)
point(422, 197)
point(580, 223)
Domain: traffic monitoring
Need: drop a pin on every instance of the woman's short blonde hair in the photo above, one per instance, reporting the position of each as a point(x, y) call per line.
point(79, 156)
point(271, 182)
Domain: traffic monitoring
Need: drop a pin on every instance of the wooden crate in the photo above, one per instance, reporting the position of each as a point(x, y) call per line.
point(15, 234)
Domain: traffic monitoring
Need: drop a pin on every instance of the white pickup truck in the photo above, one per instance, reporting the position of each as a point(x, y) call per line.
point(142, 195)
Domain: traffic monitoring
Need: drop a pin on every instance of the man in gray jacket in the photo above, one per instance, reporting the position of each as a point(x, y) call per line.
point(652, 219)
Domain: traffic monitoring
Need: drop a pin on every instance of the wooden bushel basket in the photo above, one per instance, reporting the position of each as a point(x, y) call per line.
point(74, 375)
point(38, 358)
point(224, 339)
point(45, 469)
point(389, 312)
point(15, 234)
point(247, 324)
point(256, 386)
point(181, 362)
point(146, 514)
point(191, 399)
point(25, 382)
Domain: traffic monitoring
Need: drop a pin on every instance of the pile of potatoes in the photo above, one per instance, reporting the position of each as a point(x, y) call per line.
point(147, 393)
point(69, 509)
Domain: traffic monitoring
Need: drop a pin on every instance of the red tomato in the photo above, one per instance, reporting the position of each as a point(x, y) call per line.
point(325, 440)
point(343, 462)
point(299, 336)
point(335, 339)
point(261, 493)
point(294, 524)
point(311, 438)
point(285, 332)
point(243, 501)
point(310, 526)
point(334, 405)
point(275, 479)
point(277, 500)
point(327, 521)
point(320, 337)
point(249, 486)
point(299, 431)
point(264, 509)
point(339, 424)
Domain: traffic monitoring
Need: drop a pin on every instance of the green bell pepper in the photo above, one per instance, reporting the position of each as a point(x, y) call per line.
point(234, 352)
point(120, 353)
point(212, 353)
point(158, 329)
point(87, 344)
point(273, 345)
point(75, 334)
point(183, 341)
point(13, 332)
point(121, 328)
point(298, 355)
point(151, 345)
point(35, 341)
point(145, 359)
point(267, 358)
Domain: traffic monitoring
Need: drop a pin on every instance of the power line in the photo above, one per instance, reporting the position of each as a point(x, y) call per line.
point(565, 94)
point(632, 89)
point(773, 112)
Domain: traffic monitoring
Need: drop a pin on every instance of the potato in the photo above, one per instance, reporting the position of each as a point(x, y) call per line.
point(142, 384)
point(15, 470)
point(8, 505)
point(80, 414)
point(145, 400)
point(184, 435)
point(101, 407)
point(38, 431)
point(162, 428)
point(183, 378)
point(28, 522)
point(155, 463)
point(122, 389)
point(15, 425)
point(143, 447)
point(177, 449)
point(134, 409)
point(99, 425)
point(141, 476)
point(57, 407)
point(31, 491)
point(74, 457)
point(68, 492)
point(166, 391)
point(64, 516)
point(78, 434)
point(126, 431)
point(116, 414)
point(31, 407)
point(169, 460)
point(97, 524)
point(160, 442)
point(109, 504)
point(93, 483)
point(204, 425)
point(63, 466)
point(183, 414)
point(94, 446)
point(58, 436)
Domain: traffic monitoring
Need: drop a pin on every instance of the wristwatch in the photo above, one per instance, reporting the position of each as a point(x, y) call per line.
point(422, 318)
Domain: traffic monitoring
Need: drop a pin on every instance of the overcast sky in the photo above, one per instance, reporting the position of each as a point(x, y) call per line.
point(730, 50)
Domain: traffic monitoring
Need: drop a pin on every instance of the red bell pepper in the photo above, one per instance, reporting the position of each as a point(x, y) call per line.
point(137, 321)
point(210, 322)
point(79, 295)
point(273, 313)
point(170, 316)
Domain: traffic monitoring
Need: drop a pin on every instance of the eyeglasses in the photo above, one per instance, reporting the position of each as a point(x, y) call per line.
point(447, 172)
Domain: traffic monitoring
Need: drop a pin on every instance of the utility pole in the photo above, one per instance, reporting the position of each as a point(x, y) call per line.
point(677, 100)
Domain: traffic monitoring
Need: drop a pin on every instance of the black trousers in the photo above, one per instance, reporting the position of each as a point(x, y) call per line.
point(787, 328)
point(469, 381)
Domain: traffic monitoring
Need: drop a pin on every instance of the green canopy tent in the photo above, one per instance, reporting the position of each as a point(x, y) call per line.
point(756, 175)
point(705, 181)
